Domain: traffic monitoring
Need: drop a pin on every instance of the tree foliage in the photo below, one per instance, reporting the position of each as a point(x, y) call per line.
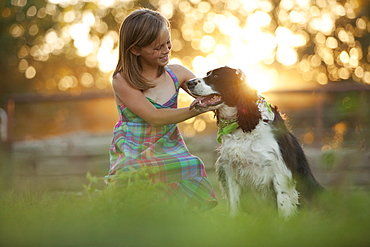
point(71, 45)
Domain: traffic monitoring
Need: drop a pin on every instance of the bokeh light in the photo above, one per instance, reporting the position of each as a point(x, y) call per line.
point(261, 34)
point(72, 45)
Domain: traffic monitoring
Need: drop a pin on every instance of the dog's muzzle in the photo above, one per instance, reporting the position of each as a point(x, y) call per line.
point(202, 101)
point(192, 84)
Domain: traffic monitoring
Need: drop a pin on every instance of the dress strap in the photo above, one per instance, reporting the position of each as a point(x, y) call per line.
point(174, 78)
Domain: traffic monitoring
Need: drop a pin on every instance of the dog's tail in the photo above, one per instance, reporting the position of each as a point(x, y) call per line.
point(307, 183)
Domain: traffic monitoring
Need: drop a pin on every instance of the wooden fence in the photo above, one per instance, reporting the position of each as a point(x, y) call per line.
point(62, 161)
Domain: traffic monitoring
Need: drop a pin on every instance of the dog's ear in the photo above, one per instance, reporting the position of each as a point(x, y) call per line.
point(248, 112)
point(240, 74)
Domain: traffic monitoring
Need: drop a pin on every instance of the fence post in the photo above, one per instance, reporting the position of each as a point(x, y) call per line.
point(4, 125)
point(319, 119)
point(10, 105)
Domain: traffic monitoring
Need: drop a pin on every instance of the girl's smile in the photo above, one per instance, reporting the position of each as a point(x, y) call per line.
point(164, 59)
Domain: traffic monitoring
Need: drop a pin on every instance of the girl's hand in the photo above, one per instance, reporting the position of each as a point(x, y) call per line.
point(201, 109)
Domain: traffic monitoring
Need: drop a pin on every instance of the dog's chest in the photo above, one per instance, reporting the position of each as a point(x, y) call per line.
point(252, 158)
point(255, 148)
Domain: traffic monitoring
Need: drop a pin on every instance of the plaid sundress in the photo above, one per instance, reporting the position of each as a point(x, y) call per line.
point(136, 143)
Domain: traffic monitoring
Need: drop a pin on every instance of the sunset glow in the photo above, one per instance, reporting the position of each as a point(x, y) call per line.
point(252, 35)
point(71, 46)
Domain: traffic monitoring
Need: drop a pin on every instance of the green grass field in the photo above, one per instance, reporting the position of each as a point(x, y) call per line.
point(137, 216)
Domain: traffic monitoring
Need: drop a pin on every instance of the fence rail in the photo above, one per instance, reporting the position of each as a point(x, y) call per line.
point(62, 162)
point(7, 122)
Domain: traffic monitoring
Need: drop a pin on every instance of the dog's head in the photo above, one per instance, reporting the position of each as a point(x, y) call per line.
point(217, 88)
point(226, 86)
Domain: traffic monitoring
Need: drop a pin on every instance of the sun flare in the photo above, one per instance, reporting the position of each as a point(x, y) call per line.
point(251, 35)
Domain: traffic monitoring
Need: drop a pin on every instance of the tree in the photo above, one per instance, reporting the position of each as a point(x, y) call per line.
point(71, 45)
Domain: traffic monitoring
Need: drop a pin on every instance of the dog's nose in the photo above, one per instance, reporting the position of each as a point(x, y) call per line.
point(192, 83)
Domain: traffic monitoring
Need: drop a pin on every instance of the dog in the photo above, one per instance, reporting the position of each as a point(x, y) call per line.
point(259, 156)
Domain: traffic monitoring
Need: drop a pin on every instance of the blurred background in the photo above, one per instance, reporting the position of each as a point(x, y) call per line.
point(311, 58)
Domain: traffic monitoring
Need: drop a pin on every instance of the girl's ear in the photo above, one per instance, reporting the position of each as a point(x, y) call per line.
point(135, 50)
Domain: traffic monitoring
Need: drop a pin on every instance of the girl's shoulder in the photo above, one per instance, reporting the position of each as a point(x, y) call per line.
point(119, 80)
point(120, 84)
point(183, 74)
point(118, 77)
point(176, 68)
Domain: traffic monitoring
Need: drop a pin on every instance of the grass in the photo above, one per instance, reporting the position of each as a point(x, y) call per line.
point(137, 216)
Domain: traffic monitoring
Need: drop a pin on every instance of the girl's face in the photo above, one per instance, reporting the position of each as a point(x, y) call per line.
point(157, 53)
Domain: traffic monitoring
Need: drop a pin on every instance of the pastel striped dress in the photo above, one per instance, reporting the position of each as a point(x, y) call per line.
point(136, 143)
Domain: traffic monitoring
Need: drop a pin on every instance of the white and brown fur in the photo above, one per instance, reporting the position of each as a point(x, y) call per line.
point(262, 157)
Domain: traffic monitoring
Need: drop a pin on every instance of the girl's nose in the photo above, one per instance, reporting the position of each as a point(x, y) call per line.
point(167, 48)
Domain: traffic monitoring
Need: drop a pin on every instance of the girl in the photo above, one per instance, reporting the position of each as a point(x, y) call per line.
point(146, 91)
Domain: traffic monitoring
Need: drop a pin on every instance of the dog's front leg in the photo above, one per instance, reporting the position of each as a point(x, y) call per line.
point(286, 195)
point(230, 188)
point(234, 196)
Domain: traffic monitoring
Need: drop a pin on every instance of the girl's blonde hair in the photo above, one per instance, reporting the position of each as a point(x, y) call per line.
point(140, 28)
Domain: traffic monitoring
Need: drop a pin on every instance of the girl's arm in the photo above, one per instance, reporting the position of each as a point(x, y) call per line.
point(135, 100)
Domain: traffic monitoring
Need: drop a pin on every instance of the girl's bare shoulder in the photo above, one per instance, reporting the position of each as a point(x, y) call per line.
point(118, 79)
point(182, 73)
point(119, 82)
point(124, 93)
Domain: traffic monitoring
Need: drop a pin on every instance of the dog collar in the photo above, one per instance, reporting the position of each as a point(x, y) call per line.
point(226, 127)
point(265, 108)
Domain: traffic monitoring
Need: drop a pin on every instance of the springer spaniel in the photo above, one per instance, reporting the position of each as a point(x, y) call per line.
point(259, 156)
